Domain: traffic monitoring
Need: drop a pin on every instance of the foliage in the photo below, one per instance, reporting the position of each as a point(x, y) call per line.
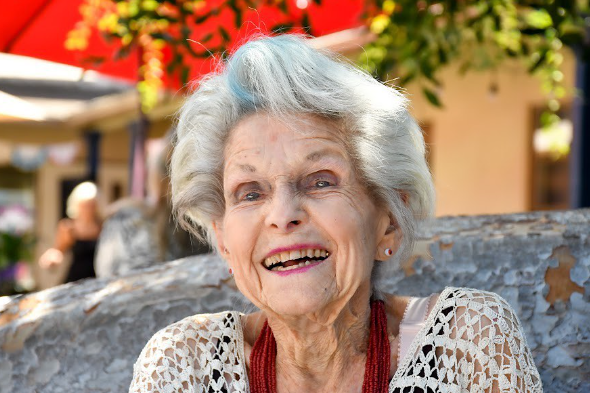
point(416, 39)
point(147, 27)
point(16, 249)
point(16, 239)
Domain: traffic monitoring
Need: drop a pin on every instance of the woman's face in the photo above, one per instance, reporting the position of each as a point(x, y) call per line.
point(301, 231)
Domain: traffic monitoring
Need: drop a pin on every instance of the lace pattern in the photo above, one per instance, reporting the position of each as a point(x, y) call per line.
point(472, 341)
point(202, 353)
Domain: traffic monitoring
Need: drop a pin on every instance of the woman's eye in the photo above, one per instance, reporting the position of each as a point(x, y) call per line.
point(322, 183)
point(251, 196)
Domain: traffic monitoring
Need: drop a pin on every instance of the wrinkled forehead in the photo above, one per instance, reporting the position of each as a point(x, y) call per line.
point(299, 127)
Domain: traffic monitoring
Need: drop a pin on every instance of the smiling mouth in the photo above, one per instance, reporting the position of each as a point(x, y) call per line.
point(295, 259)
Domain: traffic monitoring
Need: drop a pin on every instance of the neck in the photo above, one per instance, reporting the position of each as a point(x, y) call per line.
point(319, 353)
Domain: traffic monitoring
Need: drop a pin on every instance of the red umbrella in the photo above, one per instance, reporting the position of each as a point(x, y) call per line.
point(38, 28)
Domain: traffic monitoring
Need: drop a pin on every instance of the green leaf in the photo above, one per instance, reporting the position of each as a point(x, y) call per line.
point(224, 34)
point(283, 7)
point(532, 31)
point(479, 35)
point(511, 53)
point(170, 67)
point(405, 79)
point(206, 38)
point(238, 20)
point(201, 19)
point(497, 22)
point(428, 71)
point(96, 60)
point(177, 60)
point(541, 59)
point(539, 19)
point(442, 55)
point(163, 36)
point(571, 38)
point(122, 53)
point(281, 28)
point(432, 97)
point(305, 23)
point(184, 75)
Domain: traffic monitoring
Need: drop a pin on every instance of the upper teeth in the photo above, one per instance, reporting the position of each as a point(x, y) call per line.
point(295, 254)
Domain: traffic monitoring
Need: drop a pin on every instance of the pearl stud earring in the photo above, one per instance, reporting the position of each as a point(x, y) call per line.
point(388, 252)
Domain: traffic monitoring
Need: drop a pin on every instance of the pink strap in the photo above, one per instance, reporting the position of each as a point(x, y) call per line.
point(412, 322)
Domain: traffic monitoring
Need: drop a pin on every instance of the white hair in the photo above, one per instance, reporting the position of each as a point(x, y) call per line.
point(284, 76)
point(82, 192)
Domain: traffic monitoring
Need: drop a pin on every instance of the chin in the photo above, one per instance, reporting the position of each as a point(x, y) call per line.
point(293, 302)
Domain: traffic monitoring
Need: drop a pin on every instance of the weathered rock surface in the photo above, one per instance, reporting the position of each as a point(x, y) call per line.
point(85, 337)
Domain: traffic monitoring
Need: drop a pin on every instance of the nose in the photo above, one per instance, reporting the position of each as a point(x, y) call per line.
point(285, 211)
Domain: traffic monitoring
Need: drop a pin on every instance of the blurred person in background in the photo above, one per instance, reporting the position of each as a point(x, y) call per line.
point(141, 233)
point(77, 234)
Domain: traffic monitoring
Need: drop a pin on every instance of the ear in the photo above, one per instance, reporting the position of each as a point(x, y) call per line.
point(389, 237)
point(218, 229)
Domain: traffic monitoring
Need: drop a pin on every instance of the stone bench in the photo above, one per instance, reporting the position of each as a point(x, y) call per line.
point(85, 337)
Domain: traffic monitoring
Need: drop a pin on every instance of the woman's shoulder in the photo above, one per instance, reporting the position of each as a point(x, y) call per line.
point(482, 327)
point(181, 354)
point(451, 299)
point(474, 299)
point(467, 316)
point(469, 306)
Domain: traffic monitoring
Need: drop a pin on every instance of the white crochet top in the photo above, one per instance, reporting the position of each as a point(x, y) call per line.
point(471, 341)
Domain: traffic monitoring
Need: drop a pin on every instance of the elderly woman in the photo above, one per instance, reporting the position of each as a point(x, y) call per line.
point(309, 177)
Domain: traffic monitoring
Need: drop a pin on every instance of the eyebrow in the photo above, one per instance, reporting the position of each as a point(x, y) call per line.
point(317, 155)
point(247, 168)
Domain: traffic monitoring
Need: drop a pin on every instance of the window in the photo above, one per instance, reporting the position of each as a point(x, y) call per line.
point(550, 177)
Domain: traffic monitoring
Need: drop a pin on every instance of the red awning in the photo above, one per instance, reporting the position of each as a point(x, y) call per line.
point(38, 28)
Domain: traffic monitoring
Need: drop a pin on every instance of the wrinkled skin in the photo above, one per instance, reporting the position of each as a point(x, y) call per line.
point(288, 185)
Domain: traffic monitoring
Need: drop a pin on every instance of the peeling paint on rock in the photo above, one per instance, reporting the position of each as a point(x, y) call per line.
point(559, 279)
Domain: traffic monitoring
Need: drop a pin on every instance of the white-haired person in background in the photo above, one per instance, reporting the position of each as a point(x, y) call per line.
point(309, 178)
point(78, 233)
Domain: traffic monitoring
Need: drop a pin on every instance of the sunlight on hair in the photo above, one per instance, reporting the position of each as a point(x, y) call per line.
point(82, 192)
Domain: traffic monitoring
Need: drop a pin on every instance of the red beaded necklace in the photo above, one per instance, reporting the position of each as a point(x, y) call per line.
point(263, 371)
